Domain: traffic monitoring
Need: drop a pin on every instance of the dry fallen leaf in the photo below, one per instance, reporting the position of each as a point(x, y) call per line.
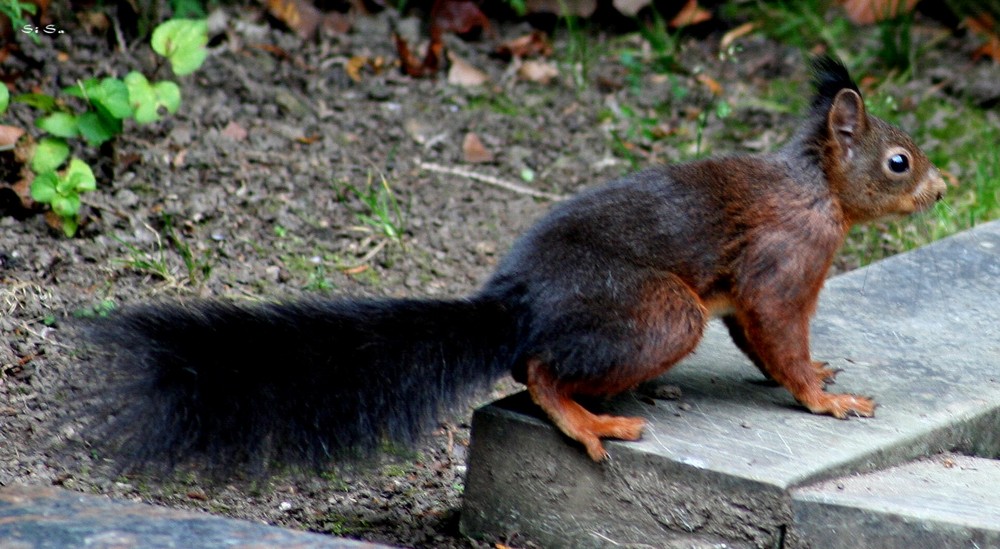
point(357, 269)
point(354, 65)
point(462, 73)
point(458, 16)
point(710, 83)
point(690, 14)
point(336, 23)
point(474, 151)
point(9, 136)
point(866, 12)
point(531, 44)
point(738, 32)
point(541, 72)
point(984, 26)
point(179, 158)
point(300, 15)
point(409, 62)
point(94, 22)
point(234, 131)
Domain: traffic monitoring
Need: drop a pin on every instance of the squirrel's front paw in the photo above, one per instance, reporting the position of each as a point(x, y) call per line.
point(824, 372)
point(841, 405)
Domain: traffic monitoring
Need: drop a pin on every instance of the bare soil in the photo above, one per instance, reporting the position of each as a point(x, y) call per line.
point(244, 194)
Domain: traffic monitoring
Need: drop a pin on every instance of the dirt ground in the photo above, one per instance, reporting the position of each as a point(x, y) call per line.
point(245, 194)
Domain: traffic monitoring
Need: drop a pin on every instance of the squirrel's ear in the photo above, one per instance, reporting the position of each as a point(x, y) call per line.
point(846, 120)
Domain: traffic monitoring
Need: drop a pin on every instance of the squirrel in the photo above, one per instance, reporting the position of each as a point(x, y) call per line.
point(608, 290)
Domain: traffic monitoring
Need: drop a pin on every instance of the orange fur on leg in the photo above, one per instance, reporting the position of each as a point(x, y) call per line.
point(573, 419)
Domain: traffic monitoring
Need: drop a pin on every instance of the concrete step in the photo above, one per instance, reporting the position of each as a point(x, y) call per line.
point(945, 501)
point(42, 517)
point(919, 332)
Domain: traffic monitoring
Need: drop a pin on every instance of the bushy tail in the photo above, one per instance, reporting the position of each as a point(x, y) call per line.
point(311, 382)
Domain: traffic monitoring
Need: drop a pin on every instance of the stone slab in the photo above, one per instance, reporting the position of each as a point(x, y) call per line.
point(41, 517)
point(946, 501)
point(920, 332)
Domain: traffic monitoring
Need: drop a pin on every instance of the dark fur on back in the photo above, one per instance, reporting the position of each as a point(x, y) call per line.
point(306, 382)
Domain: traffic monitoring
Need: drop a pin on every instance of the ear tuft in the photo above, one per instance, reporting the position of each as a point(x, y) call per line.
point(830, 76)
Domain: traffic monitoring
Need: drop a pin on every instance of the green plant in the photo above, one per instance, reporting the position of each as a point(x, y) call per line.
point(157, 264)
point(578, 52)
point(318, 281)
point(194, 9)
point(664, 46)
point(720, 109)
point(101, 309)
point(147, 263)
point(182, 42)
point(198, 269)
point(341, 525)
point(108, 102)
point(801, 23)
point(896, 48)
point(60, 189)
point(383, 213)
point(4, 98)
point(16, 11)
point(520, 7)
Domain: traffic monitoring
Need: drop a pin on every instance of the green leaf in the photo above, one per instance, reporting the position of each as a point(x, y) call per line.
point(138, 87)
point(188, 8)
point(147, 99)
point(112, 95)
point(4, 98)
point(40, 101)
point(80, 175)
point(168, 94)
point(50, 153)
point(188, 60)
point(723, 109)
point(183, 42)
point(97, 129)
point(64, 186)
point(83, 88)
point(142, 98)
point(70, 225)
point(43, 188)
point(66, 206)
point(60, 124)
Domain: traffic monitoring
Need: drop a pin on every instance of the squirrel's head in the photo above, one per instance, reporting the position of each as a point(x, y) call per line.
point(873, 168)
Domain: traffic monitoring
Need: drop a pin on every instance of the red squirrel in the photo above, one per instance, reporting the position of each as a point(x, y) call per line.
point(610, 289)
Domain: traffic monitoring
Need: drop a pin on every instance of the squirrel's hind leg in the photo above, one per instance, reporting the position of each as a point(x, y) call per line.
point(573, 419)
point(665, 326)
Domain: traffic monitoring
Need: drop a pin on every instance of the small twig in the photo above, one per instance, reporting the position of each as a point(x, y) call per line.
point(371, 253)
point(101, 205)
point(488, 179)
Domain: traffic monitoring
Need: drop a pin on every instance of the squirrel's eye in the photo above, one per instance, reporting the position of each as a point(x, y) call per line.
point(899, 163)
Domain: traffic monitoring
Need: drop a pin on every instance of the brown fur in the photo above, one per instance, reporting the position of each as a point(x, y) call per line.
point(765, 231)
